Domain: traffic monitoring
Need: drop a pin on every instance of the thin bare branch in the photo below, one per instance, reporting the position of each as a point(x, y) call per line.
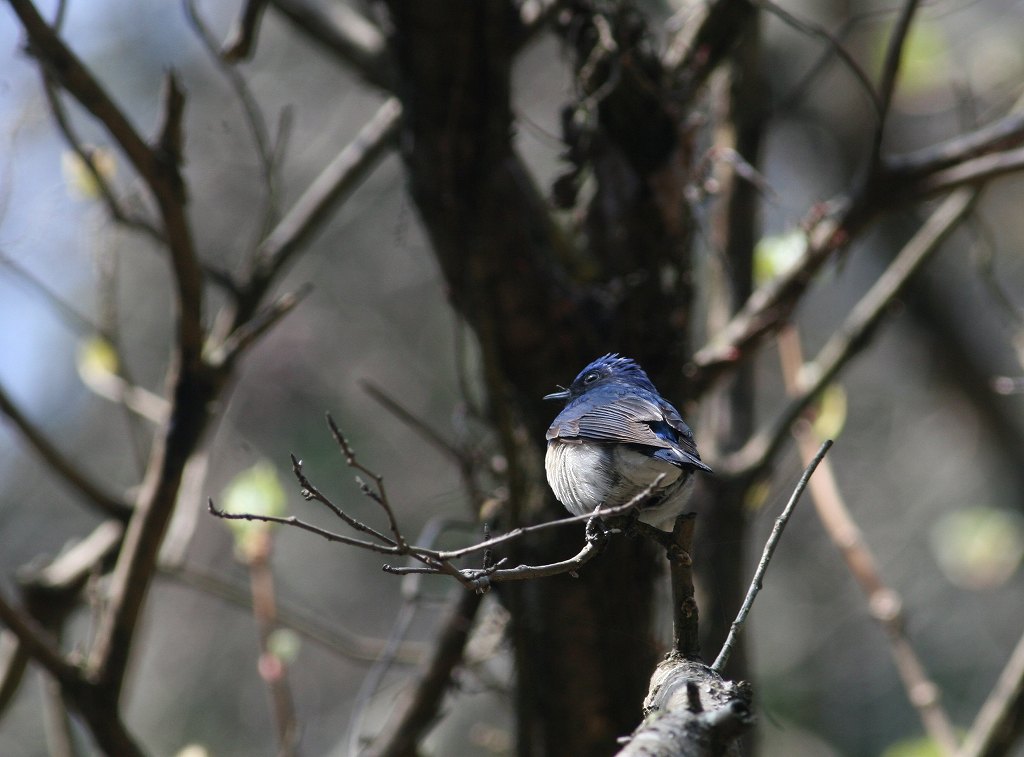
point(889, 74)
point(335, 182)
point(304, 526)
point(253, 329)
point(264, 149)
point(1000, 721)
point(419, 709)
point(345, 34)
point(311, 492)
point(241, 40)
point(835, 47)
point(62, 465)
point(998, 136)
point(39, 644)
point(420, 426)
point(769, 549)
point(88, 158)
point(379, 496)
point(973, 172)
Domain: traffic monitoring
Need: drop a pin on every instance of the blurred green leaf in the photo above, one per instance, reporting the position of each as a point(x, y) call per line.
point(193, 750)
point(79, 178)
point(925, 63)
point(256, 491)
point(757, 495)
point(775, 255)
point(96, 358)
point(919, 747)
point(979, 547)
point(831, 415)
point(284, 644)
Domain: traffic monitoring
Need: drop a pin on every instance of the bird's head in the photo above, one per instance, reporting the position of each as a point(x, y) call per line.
point(608, 369)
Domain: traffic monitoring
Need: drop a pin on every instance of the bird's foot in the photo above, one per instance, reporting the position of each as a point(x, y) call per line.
point(597, 532)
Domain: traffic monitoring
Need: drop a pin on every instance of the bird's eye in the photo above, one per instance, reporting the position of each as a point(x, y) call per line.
point(590, 378)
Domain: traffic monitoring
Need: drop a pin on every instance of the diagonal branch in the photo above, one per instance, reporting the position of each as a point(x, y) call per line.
point(419, 710)
point(887, 82)
point(1000, 721)
point(158, 165)
point(60, 464)
point(850, 338)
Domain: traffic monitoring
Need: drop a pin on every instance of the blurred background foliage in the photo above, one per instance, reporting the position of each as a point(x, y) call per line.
point(929, 456)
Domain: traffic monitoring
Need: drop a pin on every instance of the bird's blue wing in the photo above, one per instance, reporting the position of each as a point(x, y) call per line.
point(629, 419)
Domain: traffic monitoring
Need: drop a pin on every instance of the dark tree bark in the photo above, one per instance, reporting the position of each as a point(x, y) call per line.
point(542, 306)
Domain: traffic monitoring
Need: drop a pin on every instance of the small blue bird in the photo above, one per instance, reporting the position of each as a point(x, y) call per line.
point(614, 437)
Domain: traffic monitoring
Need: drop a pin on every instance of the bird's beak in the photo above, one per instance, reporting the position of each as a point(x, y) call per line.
point(562, 395)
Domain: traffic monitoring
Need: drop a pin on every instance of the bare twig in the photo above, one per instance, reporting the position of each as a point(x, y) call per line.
point(334, 183)
point(346, 34)
point(304, 526)
point(339, 641)
point(379, 496)
point(39, 643)
point(264, 149)
point(1000, 721)
point(253, 329)
point(1001, 135)
point(420, 708)
point(242, 38)
point(887, 81)
point(88, 158)
point(835, 47)
point(769, 550)
point(61, 465)
point(420, 426)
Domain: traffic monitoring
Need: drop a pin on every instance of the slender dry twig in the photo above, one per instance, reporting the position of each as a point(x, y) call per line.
point(887, 81)
point(379, 496)
point(998, 136)
point(39, 643)
point(88, 158)
point(335, 182)
point(344, 33)
point(1000, 720)
point(339, 641)
point(264, 149)
point(769, 549)
point(835, 47)
point(61, 465)
point(242, 38)
point(419, 710)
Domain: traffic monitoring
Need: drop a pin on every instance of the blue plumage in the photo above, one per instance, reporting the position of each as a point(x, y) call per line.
point(614, 437)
